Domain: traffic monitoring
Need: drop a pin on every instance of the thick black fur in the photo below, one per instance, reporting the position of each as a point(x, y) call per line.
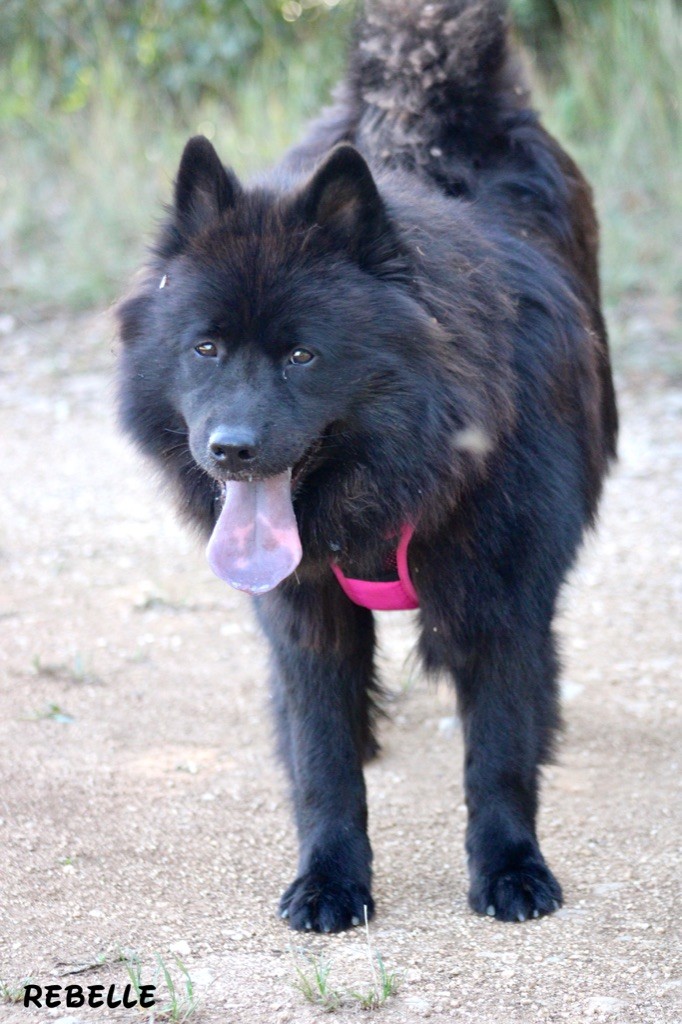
point(436, 251)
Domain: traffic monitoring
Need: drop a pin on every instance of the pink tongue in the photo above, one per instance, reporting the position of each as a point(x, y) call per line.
point(255, 543)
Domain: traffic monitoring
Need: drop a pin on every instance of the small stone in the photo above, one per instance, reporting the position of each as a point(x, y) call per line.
point(604, 1004)
point(202, 977)
point(570, 690)
point(448, 725)
point(419, 1005)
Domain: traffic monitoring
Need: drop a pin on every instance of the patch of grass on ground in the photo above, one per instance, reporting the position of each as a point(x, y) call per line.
point(180, 1002)
point(13, 991)
point(313, 981)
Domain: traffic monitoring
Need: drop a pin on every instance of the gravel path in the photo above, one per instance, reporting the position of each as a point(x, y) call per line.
point(141, 811)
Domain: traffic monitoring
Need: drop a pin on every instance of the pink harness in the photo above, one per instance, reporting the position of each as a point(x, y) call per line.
point(384, 597)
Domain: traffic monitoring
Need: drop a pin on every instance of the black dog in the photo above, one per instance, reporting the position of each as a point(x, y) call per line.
point(396, 341)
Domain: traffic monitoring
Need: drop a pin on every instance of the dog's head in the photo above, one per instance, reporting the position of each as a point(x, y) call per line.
point(274, 315)
point(275, 326)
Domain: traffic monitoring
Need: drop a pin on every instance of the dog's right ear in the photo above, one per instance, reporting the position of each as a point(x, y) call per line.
point(204, 188)
point(342, 197)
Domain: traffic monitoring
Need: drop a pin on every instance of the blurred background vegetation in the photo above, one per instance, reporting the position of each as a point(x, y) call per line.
point(97, 99)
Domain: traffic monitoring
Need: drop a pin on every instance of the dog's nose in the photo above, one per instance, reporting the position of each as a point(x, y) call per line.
point(233, 448)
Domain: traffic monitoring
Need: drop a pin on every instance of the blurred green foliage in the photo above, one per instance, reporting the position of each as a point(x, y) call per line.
point(539, 19)
point(186, 50)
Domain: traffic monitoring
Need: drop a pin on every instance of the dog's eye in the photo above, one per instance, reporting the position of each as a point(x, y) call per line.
point(209, 349)
point(301, 357)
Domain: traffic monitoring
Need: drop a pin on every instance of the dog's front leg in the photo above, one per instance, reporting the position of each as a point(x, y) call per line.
point(323, 686)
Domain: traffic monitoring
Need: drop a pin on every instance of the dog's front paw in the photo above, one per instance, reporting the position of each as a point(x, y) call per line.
point(319, 903)
point(520, 892)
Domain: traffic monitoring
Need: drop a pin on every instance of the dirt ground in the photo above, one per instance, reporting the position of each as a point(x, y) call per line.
point(142, 813)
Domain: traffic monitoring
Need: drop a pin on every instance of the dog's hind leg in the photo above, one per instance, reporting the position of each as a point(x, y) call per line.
point(323, 688)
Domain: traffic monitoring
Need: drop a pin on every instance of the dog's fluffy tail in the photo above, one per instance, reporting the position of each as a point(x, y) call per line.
point(421, 72)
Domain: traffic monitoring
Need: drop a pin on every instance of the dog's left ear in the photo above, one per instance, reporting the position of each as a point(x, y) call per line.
point(204, 188)
point(342, 197)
